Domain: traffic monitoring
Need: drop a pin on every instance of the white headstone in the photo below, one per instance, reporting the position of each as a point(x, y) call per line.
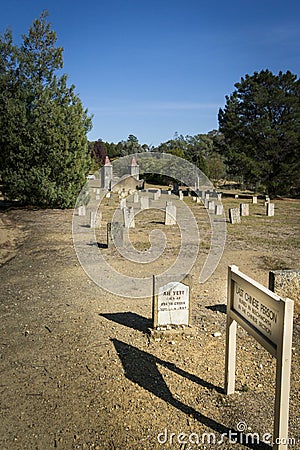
point(254, 200)
point(123, 203)
point(219, 210)
point(135, 197)
point(81, 210)
point(234, 215)
point(128, 214)
point(180, 195)
point(270, 209)
point(211, 206)
point(173, 304)
point(170, 216)
point(144, 202)
point(244, 209)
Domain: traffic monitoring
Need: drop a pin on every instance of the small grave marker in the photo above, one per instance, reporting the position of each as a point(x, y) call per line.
point(170, 215)
point(270, 209)
point(128, 215)
point(234, 215)
point(81, 210)
point(115, 234)
point(244, 209)
point(171, 306)
point(219, 210)
point(211, 206)
point(145, 202)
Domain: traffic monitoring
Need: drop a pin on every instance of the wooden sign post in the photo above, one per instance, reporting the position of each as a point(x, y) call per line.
point(269, 319)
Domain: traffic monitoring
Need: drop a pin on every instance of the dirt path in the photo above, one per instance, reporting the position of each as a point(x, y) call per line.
point(78, 370)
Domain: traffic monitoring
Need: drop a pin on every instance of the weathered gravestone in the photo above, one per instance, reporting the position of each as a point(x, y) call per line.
point(244, 209)
point(95, 219)
point(128, 215)
point(234, 215)
point(254, 200)
point(180, 195)
point(270, 209)
point(219, 210)
point(115, 234)
point(171, 305)
point(145, 202)
point(136, 197)
point(123, 203)
point(156, 195)
point(211, 206)
point(81, 210)
point(170, 215)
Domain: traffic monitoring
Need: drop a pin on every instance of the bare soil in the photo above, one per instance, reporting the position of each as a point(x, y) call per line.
point(78, 369)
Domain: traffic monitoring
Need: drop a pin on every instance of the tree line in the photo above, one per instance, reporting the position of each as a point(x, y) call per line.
point(45, 155)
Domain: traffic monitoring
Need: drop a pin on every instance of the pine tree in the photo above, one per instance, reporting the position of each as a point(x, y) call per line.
point(43, 145)
point(261, 128)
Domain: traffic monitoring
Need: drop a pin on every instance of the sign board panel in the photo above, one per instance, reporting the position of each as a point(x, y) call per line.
point(262, 310)
point(269, 319)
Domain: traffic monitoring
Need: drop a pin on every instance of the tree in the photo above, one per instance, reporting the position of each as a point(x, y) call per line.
point(261, 127)
point(98, 153)
point(44, 155)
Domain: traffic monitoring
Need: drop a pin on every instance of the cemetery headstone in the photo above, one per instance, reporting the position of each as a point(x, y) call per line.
point(219, 210)
point(254, 200)
point(81, 210)
point(156, 195)
point(170, 215)
point(171, 305)
point(270, 209)
point(145, 202)
point(115, 234)
point(244, 209)
point(180, 195)
point(211, 206)
point(123, 203)
point(234, 215)
point(92, 219)
point(136, 197)
point(128, 215)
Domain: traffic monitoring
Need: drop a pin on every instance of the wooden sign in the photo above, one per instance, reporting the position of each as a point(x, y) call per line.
point(269, 319)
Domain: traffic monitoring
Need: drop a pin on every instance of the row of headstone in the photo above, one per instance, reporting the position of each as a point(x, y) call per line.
point(235, 214)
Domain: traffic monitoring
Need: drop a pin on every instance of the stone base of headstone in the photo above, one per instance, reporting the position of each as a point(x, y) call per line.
point(172, 333)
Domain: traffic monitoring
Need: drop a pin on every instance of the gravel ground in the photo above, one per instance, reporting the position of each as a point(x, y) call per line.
point(79, 371)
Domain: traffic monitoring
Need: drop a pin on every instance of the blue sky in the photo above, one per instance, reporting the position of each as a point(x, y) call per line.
point(155, 67)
